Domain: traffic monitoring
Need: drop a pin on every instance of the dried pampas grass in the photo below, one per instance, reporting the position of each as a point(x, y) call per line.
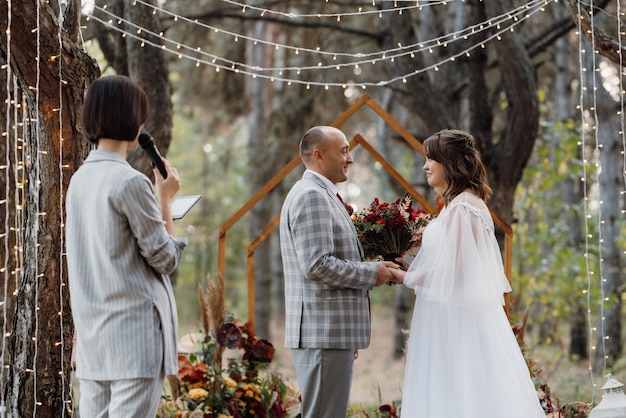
point(212, 310)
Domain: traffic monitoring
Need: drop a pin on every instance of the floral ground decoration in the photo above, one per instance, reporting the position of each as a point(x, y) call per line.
point(240, 387)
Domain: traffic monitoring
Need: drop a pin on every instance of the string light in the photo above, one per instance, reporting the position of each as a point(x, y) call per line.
point(596, 139)
point(7, 191)
point(598, 336)
point(338, 16)
point(198, 56)
point(620, 113)
point(20, 153)
point(25, 157)
point(585, 207)
point(472, 29)
point(37, 220)
point(62, 8)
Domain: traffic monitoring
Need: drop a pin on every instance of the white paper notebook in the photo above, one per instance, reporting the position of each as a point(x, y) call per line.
point(182, 204)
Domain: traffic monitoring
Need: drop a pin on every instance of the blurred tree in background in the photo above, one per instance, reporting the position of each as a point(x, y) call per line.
point(492, 91)
point(229, 126)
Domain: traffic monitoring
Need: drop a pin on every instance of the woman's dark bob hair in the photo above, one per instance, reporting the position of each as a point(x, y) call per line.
point(115, 108)
point(462, 166)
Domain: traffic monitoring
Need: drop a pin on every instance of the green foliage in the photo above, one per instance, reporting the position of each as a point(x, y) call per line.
point(213, 164)
point(549, 265)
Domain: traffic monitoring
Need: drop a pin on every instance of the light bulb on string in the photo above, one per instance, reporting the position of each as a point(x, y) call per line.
point(286, 46)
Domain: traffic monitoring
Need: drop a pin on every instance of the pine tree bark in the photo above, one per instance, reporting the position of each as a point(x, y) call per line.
point(13, 196)
point(41, 338)
point(147, 66)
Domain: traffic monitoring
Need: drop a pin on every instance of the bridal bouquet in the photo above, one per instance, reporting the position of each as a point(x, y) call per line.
point(390, 229)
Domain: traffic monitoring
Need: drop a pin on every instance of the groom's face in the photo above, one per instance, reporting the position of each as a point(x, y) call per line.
point(336, 157)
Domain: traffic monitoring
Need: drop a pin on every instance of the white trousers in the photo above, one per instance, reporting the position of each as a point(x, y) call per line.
point(137, 398)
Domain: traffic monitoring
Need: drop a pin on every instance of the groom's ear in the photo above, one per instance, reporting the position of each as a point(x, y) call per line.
point(317, 155)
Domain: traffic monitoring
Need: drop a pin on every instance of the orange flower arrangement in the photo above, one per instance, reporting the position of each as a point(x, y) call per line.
point(244, 387)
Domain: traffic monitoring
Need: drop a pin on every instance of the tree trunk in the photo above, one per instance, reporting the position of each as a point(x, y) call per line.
point(144, 64)
point(148, 68)
point(604, 44)
point(258, 103)
point(571, 189)
point(399, 29)
point(12, 158)
point(464, 103)
point(480, 110)
point(41, 338)
point(609, 337)
point(507, 158)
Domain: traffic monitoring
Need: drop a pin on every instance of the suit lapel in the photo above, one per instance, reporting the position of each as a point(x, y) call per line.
point(345, 214)
point(340, 207)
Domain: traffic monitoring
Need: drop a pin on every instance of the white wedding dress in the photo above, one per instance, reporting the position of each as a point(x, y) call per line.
point(463, 360)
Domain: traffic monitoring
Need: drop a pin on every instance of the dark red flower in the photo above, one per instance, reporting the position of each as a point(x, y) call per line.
point(229, 335)
point(388, 410)
point(349, 208)
point(390, 228)
point(261, 351)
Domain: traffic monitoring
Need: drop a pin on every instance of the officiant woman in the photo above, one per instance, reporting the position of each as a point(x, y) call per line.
point(121, 246)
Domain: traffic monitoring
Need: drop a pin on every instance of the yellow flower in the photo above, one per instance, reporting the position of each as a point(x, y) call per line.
point(230, 383)
point(224, 416)
point(197, 394)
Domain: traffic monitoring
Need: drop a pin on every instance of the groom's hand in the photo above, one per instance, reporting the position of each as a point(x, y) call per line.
point(388, 271)
point(398, 275)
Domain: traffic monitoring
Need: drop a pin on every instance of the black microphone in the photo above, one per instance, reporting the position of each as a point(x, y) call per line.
point(147, 143)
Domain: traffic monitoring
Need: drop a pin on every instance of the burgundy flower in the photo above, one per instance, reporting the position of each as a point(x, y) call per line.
point(229, 335)
point(349, 208)
point(390, 227)
point(260, 350)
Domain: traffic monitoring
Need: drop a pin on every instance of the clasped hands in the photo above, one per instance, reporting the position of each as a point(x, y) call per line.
point(389, 272)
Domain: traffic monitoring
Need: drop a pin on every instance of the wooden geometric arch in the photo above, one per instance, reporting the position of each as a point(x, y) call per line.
point(364, 100)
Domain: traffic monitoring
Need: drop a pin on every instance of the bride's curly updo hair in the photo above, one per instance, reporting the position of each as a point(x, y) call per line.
point(462, 165)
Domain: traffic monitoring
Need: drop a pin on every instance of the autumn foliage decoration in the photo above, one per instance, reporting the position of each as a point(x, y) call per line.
point(243, 386)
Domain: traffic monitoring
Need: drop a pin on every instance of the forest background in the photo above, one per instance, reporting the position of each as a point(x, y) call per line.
point(233, 88)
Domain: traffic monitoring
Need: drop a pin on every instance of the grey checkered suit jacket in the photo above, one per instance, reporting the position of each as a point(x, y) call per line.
point(327, 282)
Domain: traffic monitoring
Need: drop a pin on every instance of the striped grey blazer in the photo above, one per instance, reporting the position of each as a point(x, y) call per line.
point(119, 255)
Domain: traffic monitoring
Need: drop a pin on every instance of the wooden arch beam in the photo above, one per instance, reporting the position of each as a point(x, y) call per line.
point(358, 139)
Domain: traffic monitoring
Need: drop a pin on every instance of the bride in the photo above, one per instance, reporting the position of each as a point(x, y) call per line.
point(463, 360)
